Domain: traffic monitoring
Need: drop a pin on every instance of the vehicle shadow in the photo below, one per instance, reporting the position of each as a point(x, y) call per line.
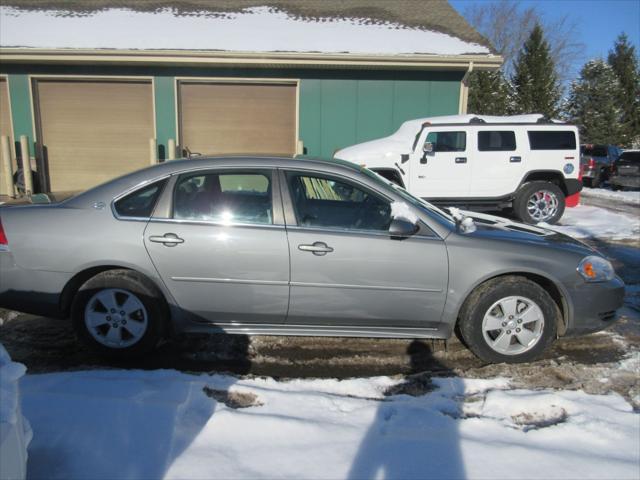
point(410, 437)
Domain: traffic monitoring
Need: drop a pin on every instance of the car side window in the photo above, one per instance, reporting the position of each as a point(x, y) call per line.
point(448, 141)
point(321, 201)
point(496, 141)
point(224, 197)
point(140, 204)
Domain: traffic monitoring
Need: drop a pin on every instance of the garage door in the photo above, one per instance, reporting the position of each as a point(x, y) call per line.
point(5, 123)
point(93, 131)
point(218, 118)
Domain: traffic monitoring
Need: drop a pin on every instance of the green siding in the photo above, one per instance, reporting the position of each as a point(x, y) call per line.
point(165, 108)
point(20, 98)
point(337, 113)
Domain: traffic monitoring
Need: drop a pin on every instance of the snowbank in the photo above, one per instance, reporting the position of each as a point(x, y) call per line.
point(258, 29)
point(631, 198)
point(15, 433)
point(134, 424)
point(594, 222)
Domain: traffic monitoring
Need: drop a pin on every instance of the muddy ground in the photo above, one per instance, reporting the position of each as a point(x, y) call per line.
point(598, 363)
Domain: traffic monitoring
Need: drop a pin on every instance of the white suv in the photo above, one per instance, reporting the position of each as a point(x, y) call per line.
point(523, 162)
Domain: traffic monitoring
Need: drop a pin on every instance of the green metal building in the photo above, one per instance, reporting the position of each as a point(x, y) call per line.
point(100, 91)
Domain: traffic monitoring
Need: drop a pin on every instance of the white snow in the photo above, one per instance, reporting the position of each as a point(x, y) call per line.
point(258, 29)
point(403, 211)
point(630, 197)
point(593, 222)
point(160, 424)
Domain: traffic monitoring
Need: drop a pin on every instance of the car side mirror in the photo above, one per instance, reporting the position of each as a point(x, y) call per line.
point(401, 228)
point(427, 149)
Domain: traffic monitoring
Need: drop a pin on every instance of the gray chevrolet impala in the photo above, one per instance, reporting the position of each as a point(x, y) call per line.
point(294, 246)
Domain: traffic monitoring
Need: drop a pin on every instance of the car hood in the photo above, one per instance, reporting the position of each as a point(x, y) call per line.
point(491, 227)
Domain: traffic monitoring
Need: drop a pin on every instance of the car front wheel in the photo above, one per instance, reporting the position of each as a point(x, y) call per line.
point(118, 313)
point(539, 201)
point(509, 319)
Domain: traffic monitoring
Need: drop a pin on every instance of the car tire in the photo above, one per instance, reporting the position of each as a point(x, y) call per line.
point(539, 201)
point(510, 304)
point(119, 313)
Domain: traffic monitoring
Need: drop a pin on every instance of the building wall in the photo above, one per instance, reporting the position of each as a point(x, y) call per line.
point(336, 108)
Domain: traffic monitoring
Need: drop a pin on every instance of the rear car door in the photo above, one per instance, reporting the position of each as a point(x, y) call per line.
point(222, 249)
point(345, 268)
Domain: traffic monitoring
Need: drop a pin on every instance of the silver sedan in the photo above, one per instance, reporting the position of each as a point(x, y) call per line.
point(293, 246)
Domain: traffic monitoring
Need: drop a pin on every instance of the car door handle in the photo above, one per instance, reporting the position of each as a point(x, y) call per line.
point(515, 159)
point(169, 239)
point(461, 159)
point(318, 248)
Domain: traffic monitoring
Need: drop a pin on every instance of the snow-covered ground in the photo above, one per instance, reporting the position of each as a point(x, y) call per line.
point(586, 221)
point(165, 424)
point(628, 197)
point(257, 29)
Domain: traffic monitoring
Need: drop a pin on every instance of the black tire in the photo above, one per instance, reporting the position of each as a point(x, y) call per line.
point(128, 282)
point(616, 188)
point(527, 190)
point(471, 317)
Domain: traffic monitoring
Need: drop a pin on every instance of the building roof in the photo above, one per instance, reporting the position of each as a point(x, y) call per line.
point(363, 27)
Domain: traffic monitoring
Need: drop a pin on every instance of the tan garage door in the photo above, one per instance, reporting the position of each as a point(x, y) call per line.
point(5, 125)
point(93, 131)
point(218, 118)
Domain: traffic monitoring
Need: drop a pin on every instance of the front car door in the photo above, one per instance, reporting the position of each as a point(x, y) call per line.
point(345, 268)
point(445, 171)
point(221, 248)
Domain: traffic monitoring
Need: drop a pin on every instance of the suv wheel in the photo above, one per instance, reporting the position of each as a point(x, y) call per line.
point(539, 202)
point(508, 319)
point(119, 313)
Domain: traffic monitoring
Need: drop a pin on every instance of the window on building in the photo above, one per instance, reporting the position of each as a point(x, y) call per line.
point(448, 141)
point(224, 197)
point(552, 140)
point(496, 141)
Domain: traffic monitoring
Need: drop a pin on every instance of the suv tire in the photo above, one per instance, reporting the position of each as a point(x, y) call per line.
point(508, 319)
point(539, 201)
point(119, 313)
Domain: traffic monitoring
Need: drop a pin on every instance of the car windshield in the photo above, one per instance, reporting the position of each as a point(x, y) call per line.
point(415, 201)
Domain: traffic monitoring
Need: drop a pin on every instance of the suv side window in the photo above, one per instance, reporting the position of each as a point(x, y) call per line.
point(448, 141)
point(496, 141)
point(224, 197)
point(322, 201)
point(140, 204)
point(552, 140)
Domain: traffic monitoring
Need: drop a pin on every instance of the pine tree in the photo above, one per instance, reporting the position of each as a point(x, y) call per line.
point(535, 81)
point(624, 61)
point(592, 104)
point(489, 93)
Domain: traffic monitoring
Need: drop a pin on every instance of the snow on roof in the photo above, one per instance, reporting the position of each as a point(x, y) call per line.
point(255, 29)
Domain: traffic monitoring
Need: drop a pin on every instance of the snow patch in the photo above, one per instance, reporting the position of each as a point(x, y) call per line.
point(401, 210)
point(588, 222)
point(256, 29)
point(631, 198)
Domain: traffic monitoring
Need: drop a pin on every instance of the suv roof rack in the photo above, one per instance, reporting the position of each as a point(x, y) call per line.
point(477, 120)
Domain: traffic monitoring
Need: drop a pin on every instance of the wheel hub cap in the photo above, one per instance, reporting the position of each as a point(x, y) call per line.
point(542, 205)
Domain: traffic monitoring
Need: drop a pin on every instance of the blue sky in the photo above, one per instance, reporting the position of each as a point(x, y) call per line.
point(599, 21)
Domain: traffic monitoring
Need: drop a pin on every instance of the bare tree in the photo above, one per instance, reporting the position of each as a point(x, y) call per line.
point(507, 25)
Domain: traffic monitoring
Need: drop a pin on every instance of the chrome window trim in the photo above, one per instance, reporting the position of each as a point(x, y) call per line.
point(211, 223)
point(347, 231)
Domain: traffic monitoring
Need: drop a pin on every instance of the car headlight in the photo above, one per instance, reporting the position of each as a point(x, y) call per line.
point(596, 269)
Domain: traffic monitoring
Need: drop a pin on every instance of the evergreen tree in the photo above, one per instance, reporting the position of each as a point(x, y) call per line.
point(624, 61)
point(592, 104)
point(535, 81)
point(489, 93)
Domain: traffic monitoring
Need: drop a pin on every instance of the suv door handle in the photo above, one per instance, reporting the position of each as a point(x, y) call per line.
point(318, 248)
point(461, 159)
point(169, 239)
point(515, 159)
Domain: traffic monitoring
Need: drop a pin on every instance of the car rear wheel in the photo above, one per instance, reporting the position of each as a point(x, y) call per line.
point(539, 202)
point(509, 319)
point(119, 313)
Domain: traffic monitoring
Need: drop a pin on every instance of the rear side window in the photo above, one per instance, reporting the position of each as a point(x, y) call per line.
point(225, 197)
point(448, 141)
point(140, 204)
point(496, 141)
point(552, 140)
